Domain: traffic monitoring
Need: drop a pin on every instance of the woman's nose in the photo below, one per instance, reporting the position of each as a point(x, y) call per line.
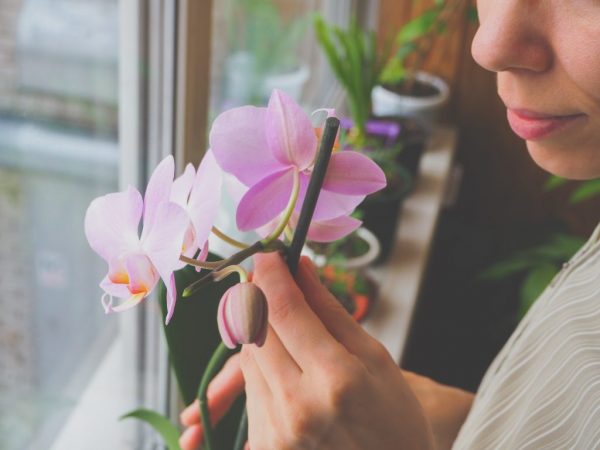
point(511, 36)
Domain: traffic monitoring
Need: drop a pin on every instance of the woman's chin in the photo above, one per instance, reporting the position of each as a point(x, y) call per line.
point(565, 163)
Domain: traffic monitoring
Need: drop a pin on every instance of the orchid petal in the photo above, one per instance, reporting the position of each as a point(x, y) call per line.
point(111, 223)
point(290, 134)
point(114, 289)
point(329, 204)
point(164, 242)
point(239, 143)
point(265, 200)
point(158, 190)
point(332, 229)
point(351, 173)
point(171, 296)
point(205, 198)
point(132, 301)
point(182, 185)
point(142, 275)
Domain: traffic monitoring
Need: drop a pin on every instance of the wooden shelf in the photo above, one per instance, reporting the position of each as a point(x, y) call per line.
point(401, 277)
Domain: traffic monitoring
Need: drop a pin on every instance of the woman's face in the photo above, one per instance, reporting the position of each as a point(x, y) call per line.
point(547, 56)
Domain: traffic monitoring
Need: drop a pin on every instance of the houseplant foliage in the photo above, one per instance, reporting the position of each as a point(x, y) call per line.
point(539, 264)
point(287, 190)
point(404, 88)
point(357, 63)
point(415, 41)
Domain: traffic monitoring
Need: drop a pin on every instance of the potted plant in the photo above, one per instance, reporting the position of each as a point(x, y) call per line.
point(354, 289)
point(356, 251)
point(264, 53)
point(404, 89)
point(342, 268)
point(357, 64)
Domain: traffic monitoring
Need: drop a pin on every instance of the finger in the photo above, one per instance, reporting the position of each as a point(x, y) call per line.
point(333, 315)
point(256, 385)
point(191, 438)
point(274, 360)
point(222, 391)
point(299, 329)
point(258, 395)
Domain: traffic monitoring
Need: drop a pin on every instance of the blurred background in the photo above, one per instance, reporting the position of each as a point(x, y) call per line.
point(94, 92)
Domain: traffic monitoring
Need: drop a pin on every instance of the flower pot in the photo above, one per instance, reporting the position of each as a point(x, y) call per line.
point(346, 259)
point(424, 108)
point(291, 83)
point(354, 289)
point(244, 83)
point(381, 213)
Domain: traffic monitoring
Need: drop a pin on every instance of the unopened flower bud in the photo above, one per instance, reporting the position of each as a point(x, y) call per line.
point(243, 315)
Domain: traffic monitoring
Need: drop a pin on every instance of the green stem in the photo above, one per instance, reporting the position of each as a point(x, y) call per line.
point(242, 433)
point(214, 365)
point(202, 264)
point(223, 273)
point(237, 258)
point(228, 239)
point(287, 213)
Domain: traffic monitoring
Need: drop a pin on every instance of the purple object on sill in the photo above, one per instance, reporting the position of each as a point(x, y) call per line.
point(387, 128)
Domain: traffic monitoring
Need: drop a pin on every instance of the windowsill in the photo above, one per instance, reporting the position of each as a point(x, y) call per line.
point(401, 277)
point(94, 420)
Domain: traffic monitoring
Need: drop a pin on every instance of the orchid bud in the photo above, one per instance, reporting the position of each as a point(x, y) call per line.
point(243, 315)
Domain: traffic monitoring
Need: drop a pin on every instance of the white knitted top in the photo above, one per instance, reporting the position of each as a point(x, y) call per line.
point(543, 389)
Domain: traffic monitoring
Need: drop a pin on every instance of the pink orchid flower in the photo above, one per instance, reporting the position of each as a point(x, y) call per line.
point(199, 193)
point(327, 230)
point(270, 149)
point(171, 221)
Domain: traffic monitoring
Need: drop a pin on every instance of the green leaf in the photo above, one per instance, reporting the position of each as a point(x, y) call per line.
point(472, 15)
point(554, 182)
point(586, 190)
point(559, 248)
point(192, 336)
point(506, 268)
point(534, 284)
point(417, 27)
point(162, 425)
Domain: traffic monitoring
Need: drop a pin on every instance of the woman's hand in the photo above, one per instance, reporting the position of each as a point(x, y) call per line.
point(445, 407)
point(320, 381)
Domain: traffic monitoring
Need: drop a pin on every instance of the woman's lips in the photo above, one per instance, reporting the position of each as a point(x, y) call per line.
point(531, 125)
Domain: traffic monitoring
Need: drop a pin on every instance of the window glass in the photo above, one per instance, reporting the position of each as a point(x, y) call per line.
point(58, 150)
point(259, 45)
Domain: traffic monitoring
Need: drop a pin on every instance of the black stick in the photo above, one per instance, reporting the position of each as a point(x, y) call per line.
point(312, 192)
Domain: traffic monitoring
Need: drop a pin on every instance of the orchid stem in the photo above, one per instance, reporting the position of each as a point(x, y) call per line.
point(237, 258)
point(289, 209)
point(224, 273)
point(214, 365)
point(202, 264)
point(228, 239)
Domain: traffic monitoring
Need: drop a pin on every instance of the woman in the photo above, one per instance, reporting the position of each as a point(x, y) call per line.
point(320, 382)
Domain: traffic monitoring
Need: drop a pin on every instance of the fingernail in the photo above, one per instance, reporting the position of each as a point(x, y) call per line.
point(186, 416)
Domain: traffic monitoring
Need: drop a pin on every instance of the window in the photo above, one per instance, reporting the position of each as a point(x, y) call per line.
point(59, 148)
point(93, 93)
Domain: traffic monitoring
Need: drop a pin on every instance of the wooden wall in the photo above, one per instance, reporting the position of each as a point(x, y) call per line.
point(502, 185)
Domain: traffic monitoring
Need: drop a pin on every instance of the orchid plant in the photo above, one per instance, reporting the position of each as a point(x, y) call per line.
point(272, 154)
